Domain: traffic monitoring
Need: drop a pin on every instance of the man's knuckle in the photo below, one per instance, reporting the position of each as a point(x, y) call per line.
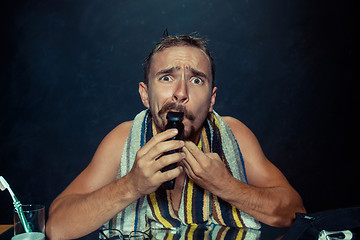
point(168, 175)
point(198, 171)
point(146, 174)
point(153, 181)
point(141, 166)
point(156, 138)
point(155, 148)
point(139, 154)
point(206, 165)
point(161, 161)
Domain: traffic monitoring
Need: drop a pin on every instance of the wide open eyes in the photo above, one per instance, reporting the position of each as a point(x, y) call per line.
point(166, 78)
point(194, 80)
point(197, 81)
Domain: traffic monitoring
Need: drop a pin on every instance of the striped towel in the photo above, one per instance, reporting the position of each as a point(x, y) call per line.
point(212, 231)
point(197, 206)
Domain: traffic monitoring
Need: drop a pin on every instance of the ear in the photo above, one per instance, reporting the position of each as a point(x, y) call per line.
point(212, 99)
point(143, 91)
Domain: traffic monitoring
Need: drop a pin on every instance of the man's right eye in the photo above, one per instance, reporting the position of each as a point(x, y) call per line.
point(165, 78)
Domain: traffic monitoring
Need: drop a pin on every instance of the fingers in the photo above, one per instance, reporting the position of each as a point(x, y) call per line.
point(161, 137)
point(149, 161)
point(197, 163)
point(193, 154)
point(187, 169)
point(191, 165)
point(164, 147)
point(214, 156)
point(171, 174)
point(158, 146)
point(194, 150)
point(166, 160)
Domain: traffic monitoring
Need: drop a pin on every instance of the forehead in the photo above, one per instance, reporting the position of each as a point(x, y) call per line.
point(180, 56)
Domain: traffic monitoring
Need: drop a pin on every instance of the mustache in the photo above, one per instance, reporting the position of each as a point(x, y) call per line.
point(177, 107)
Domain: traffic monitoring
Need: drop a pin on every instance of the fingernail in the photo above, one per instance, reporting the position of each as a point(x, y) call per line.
point(174, 130)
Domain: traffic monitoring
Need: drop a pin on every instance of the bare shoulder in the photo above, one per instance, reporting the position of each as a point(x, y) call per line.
point(111, 147)
point(242, 133)
point(246, 139)
point(105, 163)
point(260, 171)
point(119, 134)
point(234, 123)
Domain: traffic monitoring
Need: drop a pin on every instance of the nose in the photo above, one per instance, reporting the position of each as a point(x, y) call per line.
point(181, 92)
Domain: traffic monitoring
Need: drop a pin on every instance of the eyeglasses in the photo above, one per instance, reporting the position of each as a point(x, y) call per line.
point(114, 234)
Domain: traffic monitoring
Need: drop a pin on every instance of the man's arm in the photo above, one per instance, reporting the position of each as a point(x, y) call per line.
point(267, 197)
point(94, 196)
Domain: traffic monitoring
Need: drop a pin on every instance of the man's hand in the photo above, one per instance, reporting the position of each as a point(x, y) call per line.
point(146, 175)
point(205, 169)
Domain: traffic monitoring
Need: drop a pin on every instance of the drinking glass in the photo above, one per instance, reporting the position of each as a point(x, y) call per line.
point(35, 216)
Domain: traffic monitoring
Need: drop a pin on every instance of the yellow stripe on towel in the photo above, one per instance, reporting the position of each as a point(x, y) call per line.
point(190, 235)
point(189, 201)
point(162, 220)
point(240, 234)
point(236, 217)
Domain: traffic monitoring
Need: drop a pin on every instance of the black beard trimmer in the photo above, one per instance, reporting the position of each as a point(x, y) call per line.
point(174, 121)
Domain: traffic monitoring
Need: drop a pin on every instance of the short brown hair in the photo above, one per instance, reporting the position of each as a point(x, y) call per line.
point(180, 40)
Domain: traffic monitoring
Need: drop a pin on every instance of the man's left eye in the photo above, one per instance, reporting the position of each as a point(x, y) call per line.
point(197, 81)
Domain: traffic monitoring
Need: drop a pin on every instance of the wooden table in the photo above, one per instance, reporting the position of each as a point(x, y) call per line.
point(3, 228)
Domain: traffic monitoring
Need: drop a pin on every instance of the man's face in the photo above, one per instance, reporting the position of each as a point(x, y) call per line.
point(180, 80)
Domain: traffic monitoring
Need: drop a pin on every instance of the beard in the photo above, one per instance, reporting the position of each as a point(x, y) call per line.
point(159, 118)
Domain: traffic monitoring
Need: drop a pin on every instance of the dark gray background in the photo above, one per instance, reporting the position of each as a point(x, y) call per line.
point(287, 69)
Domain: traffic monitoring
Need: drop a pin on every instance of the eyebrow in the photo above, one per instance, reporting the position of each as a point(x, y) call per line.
point(165, 71)
point(198, 73)
point(173, 69)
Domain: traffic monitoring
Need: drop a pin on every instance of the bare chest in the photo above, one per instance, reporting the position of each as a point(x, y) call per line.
point(177, 192)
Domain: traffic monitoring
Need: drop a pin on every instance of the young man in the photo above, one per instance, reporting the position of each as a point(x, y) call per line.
point(222, 175)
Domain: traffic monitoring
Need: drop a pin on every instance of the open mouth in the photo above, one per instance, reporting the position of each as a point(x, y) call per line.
point(171, 110)
point(175, 116)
